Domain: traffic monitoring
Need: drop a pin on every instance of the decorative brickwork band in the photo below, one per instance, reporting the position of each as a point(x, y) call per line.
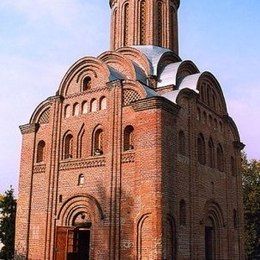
point(89, 163)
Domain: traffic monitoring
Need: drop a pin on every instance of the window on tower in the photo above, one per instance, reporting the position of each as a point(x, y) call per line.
point(86, 83)
point(128, 138)
point(40, 152)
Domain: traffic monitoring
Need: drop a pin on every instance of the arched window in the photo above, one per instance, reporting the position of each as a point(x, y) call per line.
point(98, 142)
point(68, 147)
point(115, 28)
point(183, 213)
point(143, 22)
point(86, 83)
point(126, 24)
point(128, 138)
point(40, 152)
point(160, 23)
point(215, 124)
point(93, 105)
point(205, 118)
point(235, 219)
point(220, 158)
point(182, 143)
point(103, 103)
point(198, 114)
point(67, 111)
point(76, 109)
point(81, 180)
point(85, 107)
point(233, 166)
point(201, 151)
point(211, 154)
point(173, 25)
point(210, 120)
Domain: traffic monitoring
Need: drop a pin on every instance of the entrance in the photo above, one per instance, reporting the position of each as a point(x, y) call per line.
point(72, 244)
point(209, 240)
point(83, 244)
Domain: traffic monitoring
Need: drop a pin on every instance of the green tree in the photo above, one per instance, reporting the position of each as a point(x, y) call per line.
point(251, 193)
point(7, 224)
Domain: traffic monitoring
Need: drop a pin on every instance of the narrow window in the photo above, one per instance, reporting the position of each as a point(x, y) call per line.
point(76, 109)
point(235, 219)
point(67, 111)
point(115, 28)
point(143, 22)
point(173, 25)
point(68, 147)
point(160, 23)
point(128, 138)
point(103, 103)
point(93, 105)
point(81, 180)
point(211, 154)
point(126, 25)
point(86, 83)
point(201, 151)
point(198, 114)
point(220, 158)
point(233, 166)
point(210, 120)
point(182, 213)
point(85, 107)
point(60, 198)
point(98, 142)
point(40, 152)
point(205, 118)
point(182, 143)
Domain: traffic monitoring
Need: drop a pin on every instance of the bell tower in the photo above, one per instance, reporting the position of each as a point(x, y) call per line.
point(144, 22)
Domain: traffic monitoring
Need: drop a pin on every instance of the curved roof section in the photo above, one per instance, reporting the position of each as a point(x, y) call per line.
point(154, 54)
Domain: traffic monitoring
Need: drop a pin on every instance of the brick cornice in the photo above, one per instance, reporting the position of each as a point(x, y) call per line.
point(29, 128)
point(239, 145)
point(59, 98)
point(156, 103)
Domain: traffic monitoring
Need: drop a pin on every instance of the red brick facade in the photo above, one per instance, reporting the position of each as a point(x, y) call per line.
point(135, 157)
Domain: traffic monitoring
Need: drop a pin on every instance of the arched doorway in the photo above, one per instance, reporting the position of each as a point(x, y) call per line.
point(210, 240)
point(213, 231)
point(73, 243)
point(77, 228)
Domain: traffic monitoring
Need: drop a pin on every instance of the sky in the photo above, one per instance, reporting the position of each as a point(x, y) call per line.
point(41, 39)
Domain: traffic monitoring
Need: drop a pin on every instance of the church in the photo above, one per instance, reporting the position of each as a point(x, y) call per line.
point(135, 156)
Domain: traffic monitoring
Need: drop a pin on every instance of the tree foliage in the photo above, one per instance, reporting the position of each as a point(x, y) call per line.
point(251, 193)
point(7, 224)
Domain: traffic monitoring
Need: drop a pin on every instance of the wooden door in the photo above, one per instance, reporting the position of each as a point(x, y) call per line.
point(64, 244)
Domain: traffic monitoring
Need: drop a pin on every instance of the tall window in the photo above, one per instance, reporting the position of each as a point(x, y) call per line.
point(115, 28)
point(172, 24)
point(76, 109)
point(40, 152)
point(201, 151)
point(126, 24)
point(183, 213)
point(67, 111)
point(235, 218)
point(98, 142)
point(93, 105)
point(128, 138)
point(103, 103)
point(68, 146)
point(233, 166)
point(211, 154)
point(220, 158)
point(143, 22)
point(86, 83)
point(182, 143)
point(85, 107)
point(160, 23)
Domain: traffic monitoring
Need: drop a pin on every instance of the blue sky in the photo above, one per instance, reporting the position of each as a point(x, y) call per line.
point(41, 39)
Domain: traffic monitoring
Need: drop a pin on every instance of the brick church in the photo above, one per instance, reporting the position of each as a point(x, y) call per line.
point(135, 156)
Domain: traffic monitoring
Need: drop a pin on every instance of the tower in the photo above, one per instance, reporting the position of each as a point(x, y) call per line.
point(144, 22)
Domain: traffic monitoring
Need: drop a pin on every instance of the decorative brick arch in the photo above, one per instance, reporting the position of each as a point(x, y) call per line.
point(79, 203)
